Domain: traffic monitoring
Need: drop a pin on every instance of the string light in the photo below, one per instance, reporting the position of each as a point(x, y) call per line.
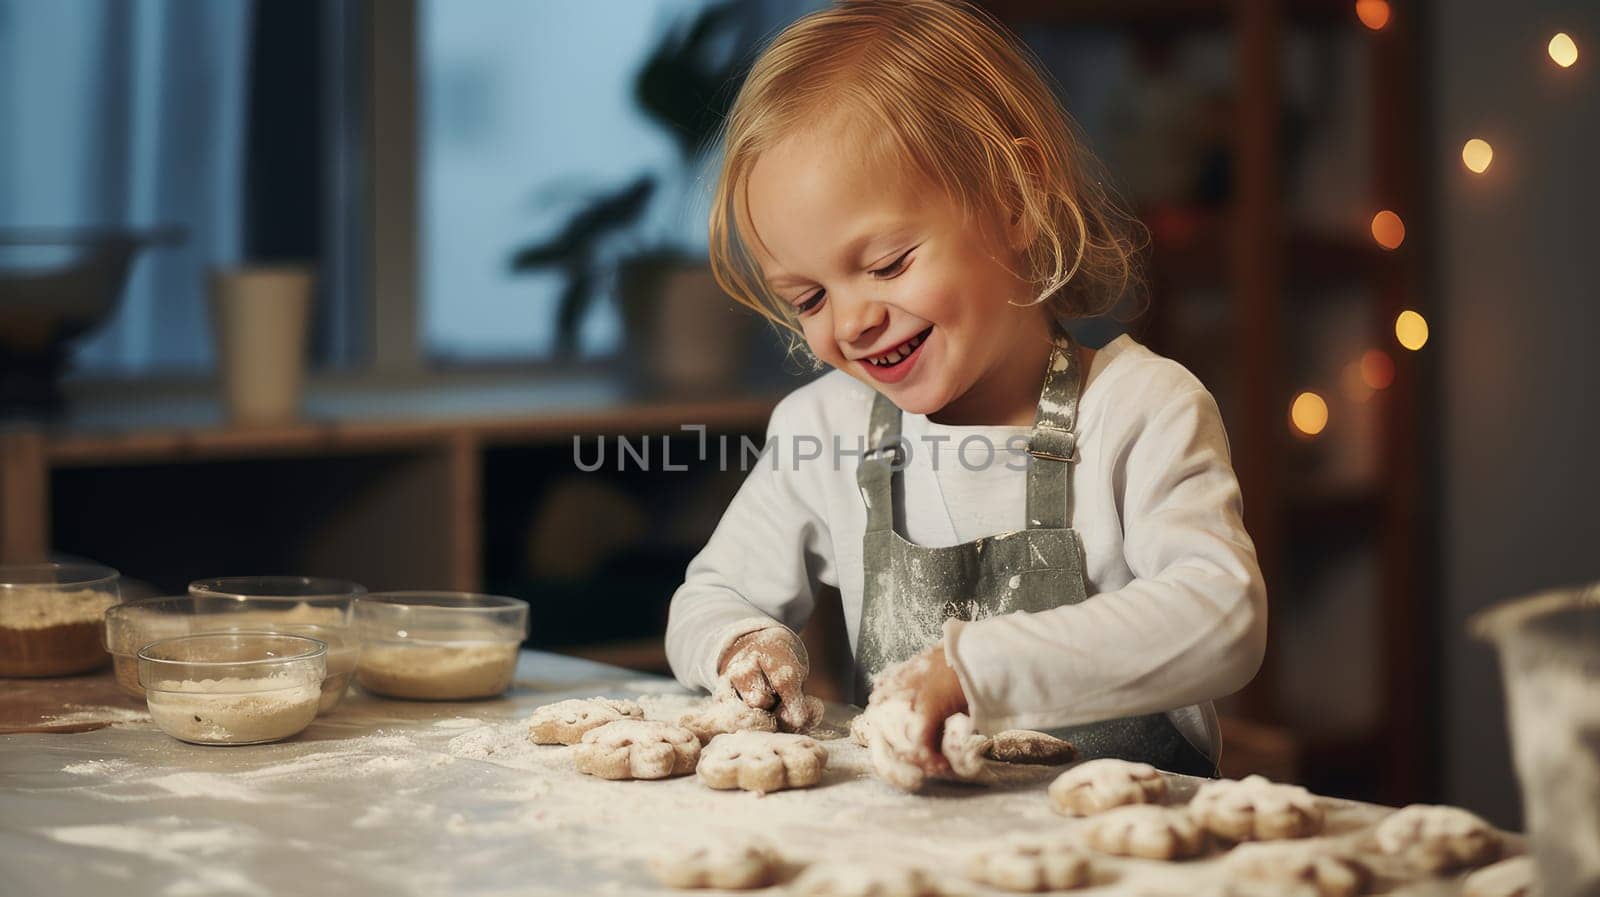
point(1377, 368)
point(1309, 413)
point(1373, 13)
point(1476, 155)
point(1388, 229)
point(1411, 329)
point(1563, 51)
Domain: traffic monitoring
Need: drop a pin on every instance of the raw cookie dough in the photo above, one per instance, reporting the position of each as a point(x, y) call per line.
point(637, 749)
point(762, 761)
point(1099, 785)
point(1327, 872)
point(1029, 747)
point(727, 866)
point(727, 714)
point(566, 722)
point(1030, 864)
point(1516, 877)
point(1256, 809)
point(1438, 838)
point(1141, 830)
point(865, 880)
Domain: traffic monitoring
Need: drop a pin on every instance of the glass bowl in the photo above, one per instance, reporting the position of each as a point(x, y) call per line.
point(303, 599)
point(438, 646)
point(299, 605)
point(233, 687)
point(50, 617)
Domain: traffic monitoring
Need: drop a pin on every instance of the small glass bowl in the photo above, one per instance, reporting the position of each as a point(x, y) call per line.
point(438, 646)
point(233, 687)
point(50, 617)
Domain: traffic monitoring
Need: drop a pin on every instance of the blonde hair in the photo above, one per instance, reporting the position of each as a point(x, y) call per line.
point(964, 104)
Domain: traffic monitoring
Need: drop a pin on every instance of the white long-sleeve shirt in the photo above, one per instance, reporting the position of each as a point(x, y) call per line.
point(1177, 610)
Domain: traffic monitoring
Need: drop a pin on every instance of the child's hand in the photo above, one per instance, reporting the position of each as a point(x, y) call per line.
point(935, 696)
point(767, 670)
point(930, 689)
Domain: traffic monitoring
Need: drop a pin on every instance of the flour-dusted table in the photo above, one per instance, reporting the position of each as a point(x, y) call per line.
point(399, 798)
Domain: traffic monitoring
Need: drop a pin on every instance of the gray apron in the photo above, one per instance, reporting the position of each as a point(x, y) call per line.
point(910, 590)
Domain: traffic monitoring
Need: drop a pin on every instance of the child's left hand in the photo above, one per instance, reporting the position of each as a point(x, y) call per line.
point(935, 695)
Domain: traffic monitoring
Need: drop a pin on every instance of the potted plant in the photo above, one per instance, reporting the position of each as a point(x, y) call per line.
point(680, 329)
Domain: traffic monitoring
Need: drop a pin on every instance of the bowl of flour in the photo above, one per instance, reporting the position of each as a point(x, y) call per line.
point(50, 617)
point(233, 687)
point(438, 646)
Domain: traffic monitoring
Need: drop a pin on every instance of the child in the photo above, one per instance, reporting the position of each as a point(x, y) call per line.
point(1021, 529)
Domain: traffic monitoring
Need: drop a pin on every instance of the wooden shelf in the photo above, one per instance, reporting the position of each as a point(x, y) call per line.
point(359, 492)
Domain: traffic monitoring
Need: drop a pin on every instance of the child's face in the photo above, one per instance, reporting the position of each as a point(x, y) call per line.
point(881, 271)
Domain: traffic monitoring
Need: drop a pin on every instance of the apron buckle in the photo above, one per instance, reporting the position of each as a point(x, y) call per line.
point(1054, 444)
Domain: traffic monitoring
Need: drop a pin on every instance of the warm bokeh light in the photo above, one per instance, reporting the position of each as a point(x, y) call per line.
point(1563, 50)
point(1355, 389)
point(1388, 229)
point(1373, 13)
point(1476, 155)
point(1411, 329)
point(1309, 413)
point(1377, 368)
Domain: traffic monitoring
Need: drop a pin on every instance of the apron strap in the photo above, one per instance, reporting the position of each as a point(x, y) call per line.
point(875, 473)
point(1053, 444)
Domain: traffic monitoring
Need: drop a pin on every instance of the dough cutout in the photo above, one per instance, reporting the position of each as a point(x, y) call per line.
point(1096, 786)
point(565, 722)
point(762, 761)
point(1030, 864)
point(1150, 832)
point(1256, 809)
point(1025, 746)
point(637, 749)
point(1284, 867)
point(1438, 838)
point(727, 714)
point(732, 867)
point(865, 880)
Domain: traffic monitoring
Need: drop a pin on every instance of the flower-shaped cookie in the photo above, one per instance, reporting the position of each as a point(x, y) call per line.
point(1099, 785)
point(865, 880)
point(1437, 838)
point(1286, 867)
point(1141, 830)
point(566, 722)
point(762, 761)
point(1029, 747)
point(1030, 864)
point(733, 867)
point(727, 714)
point(637, 749)
point(1256, 809)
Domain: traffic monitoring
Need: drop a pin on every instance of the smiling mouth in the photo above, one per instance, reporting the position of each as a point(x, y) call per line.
point(899, 353)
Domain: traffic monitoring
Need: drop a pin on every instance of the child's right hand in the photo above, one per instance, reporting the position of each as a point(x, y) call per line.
point(767, 670)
